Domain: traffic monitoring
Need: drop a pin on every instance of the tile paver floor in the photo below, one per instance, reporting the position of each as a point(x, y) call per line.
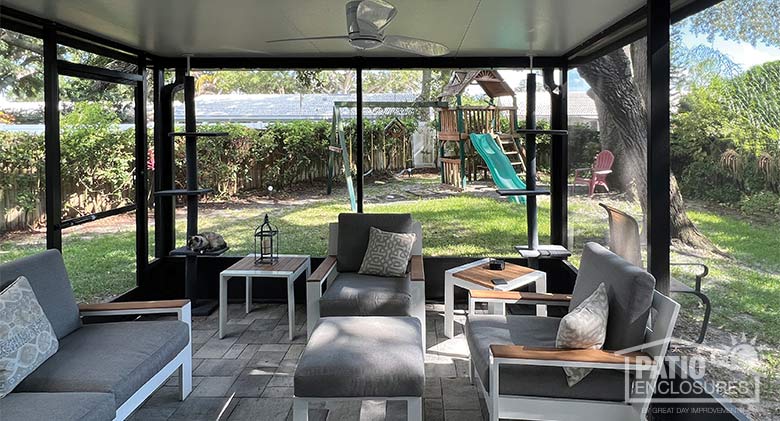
point(248, 374)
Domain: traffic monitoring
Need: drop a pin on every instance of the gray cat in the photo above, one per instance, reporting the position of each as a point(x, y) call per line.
point(206, 241)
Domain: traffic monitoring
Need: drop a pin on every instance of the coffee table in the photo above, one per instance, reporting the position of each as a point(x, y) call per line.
point(289, 267)
point(476, 275)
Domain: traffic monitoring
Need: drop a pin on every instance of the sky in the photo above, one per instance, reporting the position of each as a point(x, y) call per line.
point(742, 53)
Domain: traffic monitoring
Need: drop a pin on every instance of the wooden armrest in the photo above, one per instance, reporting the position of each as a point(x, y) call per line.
point(519, 297)
point(133, 305)
point(323, 270)
point(590, 356)
point(418, 270)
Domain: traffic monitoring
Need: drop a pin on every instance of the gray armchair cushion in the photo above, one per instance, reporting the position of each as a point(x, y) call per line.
point(630, 290)
point(49, 280)
point(58, 406)
point(353, 294)
point(362, 356)
point(353, 235)
point(114, 358)
point(525, 380)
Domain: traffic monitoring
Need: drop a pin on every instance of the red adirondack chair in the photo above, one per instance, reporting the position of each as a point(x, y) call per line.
point(602, 166)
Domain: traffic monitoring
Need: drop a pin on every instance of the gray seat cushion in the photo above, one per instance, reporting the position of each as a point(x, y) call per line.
point(630, 291)
point(353, 235)
point(110, 357)
point(49, 280)
point(362, 357)
point(353, 294)
point(58, 406)
point(533, 331)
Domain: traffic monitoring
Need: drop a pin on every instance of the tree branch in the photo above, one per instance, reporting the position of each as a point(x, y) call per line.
point(19, 42)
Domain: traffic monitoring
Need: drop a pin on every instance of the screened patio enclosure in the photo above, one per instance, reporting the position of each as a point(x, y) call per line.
point(164, 40)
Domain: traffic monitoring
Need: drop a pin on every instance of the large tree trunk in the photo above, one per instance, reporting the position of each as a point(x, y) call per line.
point(625, 123)
point(619, 86)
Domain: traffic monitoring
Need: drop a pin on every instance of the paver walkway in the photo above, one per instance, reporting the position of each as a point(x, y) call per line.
point(248, 374)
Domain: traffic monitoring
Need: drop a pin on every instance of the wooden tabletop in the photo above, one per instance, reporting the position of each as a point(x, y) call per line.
point(284, 264)
point(482, 275)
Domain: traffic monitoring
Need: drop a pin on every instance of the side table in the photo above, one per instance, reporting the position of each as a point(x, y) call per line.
point(289, 267)
point(477, 275)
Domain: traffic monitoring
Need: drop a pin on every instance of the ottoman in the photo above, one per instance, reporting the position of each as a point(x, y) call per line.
point(362, 357)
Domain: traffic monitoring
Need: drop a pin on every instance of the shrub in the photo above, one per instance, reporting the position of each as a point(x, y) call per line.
point(760, 204)
point(706, 180)
point(584, 144)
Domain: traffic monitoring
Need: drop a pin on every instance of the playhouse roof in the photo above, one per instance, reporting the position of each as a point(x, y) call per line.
point(489, 80)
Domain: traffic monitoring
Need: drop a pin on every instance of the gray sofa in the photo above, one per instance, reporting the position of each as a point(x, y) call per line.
point(101, 371)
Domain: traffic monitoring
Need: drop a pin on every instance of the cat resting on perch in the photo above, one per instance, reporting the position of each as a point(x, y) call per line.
point(206, 241)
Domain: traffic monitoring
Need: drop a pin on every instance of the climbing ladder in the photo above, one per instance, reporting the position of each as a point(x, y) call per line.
point(510, 144)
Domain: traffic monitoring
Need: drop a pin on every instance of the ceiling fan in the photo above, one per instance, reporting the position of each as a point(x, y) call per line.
point(366, 21)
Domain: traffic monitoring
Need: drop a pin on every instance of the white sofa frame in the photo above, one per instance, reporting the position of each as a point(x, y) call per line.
point(326, 273)
point(657, 338)
point(182, 362)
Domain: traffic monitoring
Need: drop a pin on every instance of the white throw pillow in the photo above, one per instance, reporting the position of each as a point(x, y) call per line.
point(26, 336)
point(584, 327)
point(387, 253)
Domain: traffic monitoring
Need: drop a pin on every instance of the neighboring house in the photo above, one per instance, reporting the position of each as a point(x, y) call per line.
point(260, 109)
point(582, 108)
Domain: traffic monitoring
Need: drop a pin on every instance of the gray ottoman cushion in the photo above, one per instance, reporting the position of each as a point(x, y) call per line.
point(353, 294)
point(58, 406)
point(526, 380)
point(109, 357)
point(362, 356)
point(353, 235)
point(630, 291)
point(48, 279)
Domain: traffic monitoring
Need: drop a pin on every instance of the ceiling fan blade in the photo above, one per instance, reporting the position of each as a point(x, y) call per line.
point(374, 15)
point(246, 50)
point(310, 38)
point(416, 45)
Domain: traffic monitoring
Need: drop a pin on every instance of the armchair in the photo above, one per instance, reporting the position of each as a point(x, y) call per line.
point(515, 364)
point(624, 241)
point(597, 174)
point(348, 293)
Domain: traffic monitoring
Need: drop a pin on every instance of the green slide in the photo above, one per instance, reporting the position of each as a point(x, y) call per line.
point(501, 169)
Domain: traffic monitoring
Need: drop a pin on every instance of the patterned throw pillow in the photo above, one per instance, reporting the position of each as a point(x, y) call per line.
point(584, 327)
point(387, 253)
point(26, 336)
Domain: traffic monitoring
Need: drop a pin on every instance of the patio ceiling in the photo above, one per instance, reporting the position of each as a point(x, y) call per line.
point(470, 28)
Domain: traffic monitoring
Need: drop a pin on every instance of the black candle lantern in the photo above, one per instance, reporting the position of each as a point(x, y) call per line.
point(266, 243)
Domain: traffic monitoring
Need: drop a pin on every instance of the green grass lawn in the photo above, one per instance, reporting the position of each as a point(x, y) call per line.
point(745, 290)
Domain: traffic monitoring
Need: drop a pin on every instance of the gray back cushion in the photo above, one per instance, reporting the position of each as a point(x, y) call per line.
point(353, 235)
point(48, 279)
point(630, 291)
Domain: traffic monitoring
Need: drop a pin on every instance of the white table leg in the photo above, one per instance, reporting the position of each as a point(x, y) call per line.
point(541, 286)
point(291, 304)
point(449, 306)
point(248, 290)
point(223, 303)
